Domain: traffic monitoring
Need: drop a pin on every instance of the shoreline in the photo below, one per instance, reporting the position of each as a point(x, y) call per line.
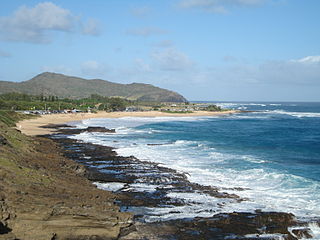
point(141, 186)
point(34, 127)
point(105, 167)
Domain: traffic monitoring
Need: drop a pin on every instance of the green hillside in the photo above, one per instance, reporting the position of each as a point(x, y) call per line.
point(53, 84)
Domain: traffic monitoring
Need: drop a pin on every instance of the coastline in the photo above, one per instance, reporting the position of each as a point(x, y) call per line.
point(141, 186)
point(34, 127)
point(106, 169)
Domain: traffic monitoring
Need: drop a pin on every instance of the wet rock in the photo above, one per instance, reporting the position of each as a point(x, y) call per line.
point(56, 126)
point(302, 233)
point(221, 226)
point(72, 131)
point(99, 129)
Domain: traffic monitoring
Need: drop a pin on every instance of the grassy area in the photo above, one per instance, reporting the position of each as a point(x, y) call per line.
point(15, 148)
point(10, 118)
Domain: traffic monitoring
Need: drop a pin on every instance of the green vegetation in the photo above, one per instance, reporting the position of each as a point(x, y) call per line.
point(10, 118)
point(15, 146)
point(53, 84)
point(21, 101)
point(213, 108)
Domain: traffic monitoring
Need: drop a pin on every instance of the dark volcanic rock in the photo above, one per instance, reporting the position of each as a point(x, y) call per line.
point(302, 233)
point(72, 131)
point(99, 129)
point(146, 183)
point(221, 226)
point(56, 126)
point(3, 140)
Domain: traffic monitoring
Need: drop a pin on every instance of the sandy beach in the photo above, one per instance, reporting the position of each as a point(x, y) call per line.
point(33, 127)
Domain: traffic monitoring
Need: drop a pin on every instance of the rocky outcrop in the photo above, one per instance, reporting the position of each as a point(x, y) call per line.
point(70, 130)
point(260, 225)
point(44, 196)
point(99, 129)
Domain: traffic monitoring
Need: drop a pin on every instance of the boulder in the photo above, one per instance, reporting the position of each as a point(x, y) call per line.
point(100, 129)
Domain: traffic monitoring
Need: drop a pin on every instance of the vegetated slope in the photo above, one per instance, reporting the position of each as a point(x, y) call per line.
point(73, 87)
point(44, 195)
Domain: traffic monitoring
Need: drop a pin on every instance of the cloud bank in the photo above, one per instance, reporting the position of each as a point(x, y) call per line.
point(36, 24)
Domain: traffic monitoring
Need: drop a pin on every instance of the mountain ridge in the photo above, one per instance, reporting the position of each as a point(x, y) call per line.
point(49, 83)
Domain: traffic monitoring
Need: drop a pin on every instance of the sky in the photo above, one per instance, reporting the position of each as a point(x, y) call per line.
point(217, 50)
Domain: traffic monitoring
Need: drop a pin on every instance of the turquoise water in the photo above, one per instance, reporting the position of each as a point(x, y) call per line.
point(271, 157)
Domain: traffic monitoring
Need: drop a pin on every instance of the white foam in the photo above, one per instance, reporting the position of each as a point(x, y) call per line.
point(142, 187)
point(312, 228)
point(266, 189)
point(237, 105)
point(295, 114)
point(130, 122)
point(110, 186)
point(253, 159)
point(266, 236)
point(315, 230)
point(270, 191)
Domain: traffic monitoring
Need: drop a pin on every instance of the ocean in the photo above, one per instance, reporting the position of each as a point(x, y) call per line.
point(270, 157)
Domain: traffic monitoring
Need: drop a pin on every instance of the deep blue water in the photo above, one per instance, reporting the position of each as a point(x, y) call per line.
point(287, 142)
point(273, 152)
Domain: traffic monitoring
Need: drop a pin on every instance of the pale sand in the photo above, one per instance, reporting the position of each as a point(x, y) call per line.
point(33, 127)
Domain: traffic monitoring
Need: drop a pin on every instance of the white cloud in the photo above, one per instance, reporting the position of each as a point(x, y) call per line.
point(37, 24)
point(93, 68)
point(91, 27)
point(308, 59)
point(32, 24)
point(172, 60)
point(146, 31)
point(218, 6)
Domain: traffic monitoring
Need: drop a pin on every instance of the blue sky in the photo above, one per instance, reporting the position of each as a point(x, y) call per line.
point(245, 50)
